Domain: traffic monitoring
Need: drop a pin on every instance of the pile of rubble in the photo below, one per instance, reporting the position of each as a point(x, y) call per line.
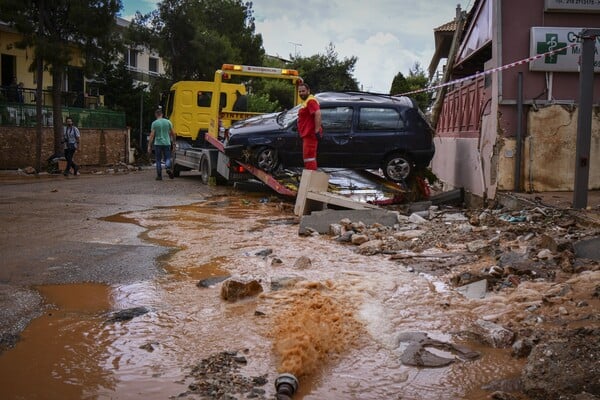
point(504, 253)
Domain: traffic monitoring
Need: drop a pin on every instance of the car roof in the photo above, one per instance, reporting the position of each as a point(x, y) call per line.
point(365, 98)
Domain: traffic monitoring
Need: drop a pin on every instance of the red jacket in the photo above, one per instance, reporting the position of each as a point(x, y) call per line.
point(306, 116)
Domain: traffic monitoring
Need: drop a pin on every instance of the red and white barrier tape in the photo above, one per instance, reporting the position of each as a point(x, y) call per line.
point(477, 75)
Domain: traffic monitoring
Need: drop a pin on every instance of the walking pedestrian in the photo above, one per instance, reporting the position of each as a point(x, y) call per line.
point(71, 137)
point(309, 126)
point(162, 137)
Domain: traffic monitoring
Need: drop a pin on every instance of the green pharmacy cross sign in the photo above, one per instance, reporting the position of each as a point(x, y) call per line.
point(565, 44)
point(551, 43)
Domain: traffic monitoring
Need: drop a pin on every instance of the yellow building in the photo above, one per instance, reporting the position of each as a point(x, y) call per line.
point(15, 66)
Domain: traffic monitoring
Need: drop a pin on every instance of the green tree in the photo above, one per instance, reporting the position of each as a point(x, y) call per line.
point(55, 29)
point(399, 84)
point(195, 37)
point(324, 72)
point(416, 80)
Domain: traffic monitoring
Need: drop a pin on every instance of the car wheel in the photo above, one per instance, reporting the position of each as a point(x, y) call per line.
point(266, 158)
point(397, 167)
point(204, 170)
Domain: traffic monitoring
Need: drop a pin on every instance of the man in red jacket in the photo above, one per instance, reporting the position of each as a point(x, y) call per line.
point(309, 126)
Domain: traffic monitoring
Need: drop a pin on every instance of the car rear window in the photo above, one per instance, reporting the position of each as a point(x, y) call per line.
point(336, 119)
point(379, 119)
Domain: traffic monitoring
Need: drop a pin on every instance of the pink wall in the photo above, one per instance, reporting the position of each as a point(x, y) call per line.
point(517, 18)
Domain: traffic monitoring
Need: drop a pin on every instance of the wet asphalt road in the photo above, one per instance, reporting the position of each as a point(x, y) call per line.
point(53, 231)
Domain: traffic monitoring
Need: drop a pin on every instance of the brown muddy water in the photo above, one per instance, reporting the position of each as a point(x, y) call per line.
point(337, 330)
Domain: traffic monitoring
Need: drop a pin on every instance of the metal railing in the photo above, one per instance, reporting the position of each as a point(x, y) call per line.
point(18, 108)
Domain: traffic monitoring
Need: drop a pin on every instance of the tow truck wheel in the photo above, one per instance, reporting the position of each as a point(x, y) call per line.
point(204, 170)
point(176, 170)
point(266, 158)
point(397, 167)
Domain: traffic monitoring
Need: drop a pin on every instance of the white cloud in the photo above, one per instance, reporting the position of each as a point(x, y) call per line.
point(387, 36)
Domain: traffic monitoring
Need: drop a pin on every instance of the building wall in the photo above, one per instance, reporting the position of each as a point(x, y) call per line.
point(549, 151)
point(485, 164)
point(98, 147)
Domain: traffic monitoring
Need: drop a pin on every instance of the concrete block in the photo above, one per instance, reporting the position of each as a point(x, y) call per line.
point(310, 181)
point(321, 220)
point(589, 248)
point(475, 290)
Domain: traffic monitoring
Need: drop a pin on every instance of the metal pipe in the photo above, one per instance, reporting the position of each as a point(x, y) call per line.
point(286, 385)
point(519, 141)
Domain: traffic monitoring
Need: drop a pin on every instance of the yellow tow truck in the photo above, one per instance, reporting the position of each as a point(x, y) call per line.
point(201, 112)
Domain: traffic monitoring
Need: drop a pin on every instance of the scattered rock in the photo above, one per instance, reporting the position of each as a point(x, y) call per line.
point(219, 377)
point(503, 396)
point(303, 262)
point(370, 248)
point(345, 237)
point(521, 348)
point(359, 239)
point(264, 253)
point(128, 314)
point(417, 219)
point(276, 261)
point(286, 282)
point(233, 290)
point(477, 245)
point(209, 282)
point(493, 334)
point(563, 367)
point(416, 353)
point(149, 347)
point(335, 229)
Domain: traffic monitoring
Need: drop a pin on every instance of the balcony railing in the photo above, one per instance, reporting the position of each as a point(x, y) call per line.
point(18, 108)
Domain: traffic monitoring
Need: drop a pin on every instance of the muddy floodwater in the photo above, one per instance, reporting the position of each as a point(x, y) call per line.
point(337, 328)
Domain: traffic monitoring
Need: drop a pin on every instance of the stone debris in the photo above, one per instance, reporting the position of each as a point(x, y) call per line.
point(127, 314)
point(493, 334)
point(212, 281)
point(302, 262)
point(233, 290)
point(219, 377)
point(563, 367)
point(416, 353)
point(525, 264)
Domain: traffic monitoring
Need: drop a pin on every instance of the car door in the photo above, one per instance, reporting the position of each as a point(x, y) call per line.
point(288, 142)
point(335, 147)
point(379, 130)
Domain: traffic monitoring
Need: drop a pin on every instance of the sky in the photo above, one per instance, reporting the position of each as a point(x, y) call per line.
point(387, 36)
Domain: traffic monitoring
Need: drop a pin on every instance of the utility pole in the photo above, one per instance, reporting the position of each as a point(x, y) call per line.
point(296, 45)
point(584, 118)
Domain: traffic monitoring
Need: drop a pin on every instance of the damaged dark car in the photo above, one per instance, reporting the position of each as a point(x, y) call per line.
point(360, 131)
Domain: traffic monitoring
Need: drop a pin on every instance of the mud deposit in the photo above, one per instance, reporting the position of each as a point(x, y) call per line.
point(335, 321)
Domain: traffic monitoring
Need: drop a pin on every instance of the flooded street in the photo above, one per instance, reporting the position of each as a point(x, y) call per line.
point(337, 327)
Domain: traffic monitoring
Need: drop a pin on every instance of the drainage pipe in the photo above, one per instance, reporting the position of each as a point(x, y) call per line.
point(286, 385)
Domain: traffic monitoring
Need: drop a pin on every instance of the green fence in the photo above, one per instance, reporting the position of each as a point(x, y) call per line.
point(17, 114)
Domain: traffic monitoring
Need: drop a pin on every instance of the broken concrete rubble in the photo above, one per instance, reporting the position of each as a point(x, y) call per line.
point(320, 221)
point(416, 354)
point(493, 334)
point(537, 278)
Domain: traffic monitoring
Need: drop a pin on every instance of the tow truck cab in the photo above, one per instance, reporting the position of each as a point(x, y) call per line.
point(189, 105)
